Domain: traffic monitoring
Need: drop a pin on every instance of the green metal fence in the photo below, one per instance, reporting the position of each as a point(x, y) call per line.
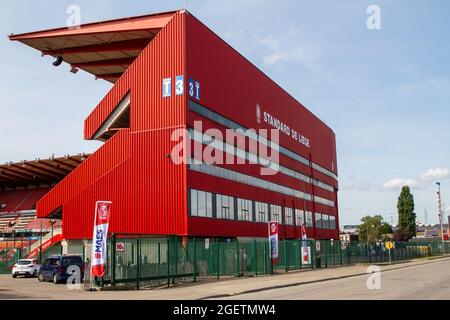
point(164, 261)
point(376, 252)
point(9, 256)
point(149, 261)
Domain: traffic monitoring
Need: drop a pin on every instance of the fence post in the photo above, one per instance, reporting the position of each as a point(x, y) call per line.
point(265, 257)
point(113, 260)
point(211, 250)
point(300, 256)
point(195, 259)
point(168, 262)
point(138, 271)
point(326, 252)
point(255, 257)
point(218, 258)
point(238, 258)
point(159, 259)
point(223, 246)
point(286, 260)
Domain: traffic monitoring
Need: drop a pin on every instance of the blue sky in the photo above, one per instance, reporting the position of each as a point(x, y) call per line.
point(385, 93)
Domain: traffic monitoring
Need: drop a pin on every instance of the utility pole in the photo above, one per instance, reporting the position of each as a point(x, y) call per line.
point(439, 205)
point(425, 216)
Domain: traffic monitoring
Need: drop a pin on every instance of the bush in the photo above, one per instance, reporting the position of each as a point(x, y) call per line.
point(402, 235)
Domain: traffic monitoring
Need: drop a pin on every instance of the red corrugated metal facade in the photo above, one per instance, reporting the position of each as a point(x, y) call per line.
point(133, 169)
point(232, 87)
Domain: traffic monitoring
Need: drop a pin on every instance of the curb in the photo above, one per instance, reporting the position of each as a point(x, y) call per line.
point(226, 295)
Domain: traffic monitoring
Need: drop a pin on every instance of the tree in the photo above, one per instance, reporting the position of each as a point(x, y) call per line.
point(385, 228)
point(371, 228)
point(406, 215)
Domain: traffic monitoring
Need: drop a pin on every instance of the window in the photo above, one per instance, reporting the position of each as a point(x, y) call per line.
point(193, 202)
point(201, 203)
point(325, 221)
point(245, 210)
point(299, 218)
point(225, 207)
point(318, 220)
point(288, 216)
point(262, 211)
point(309, 219)
point(276, 214)
point(332, 222)
point(252, 158)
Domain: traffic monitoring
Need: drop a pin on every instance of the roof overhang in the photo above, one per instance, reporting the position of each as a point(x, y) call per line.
point(105, 49)
point(38, 172)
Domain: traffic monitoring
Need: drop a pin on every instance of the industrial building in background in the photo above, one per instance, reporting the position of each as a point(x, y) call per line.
point(168, 71)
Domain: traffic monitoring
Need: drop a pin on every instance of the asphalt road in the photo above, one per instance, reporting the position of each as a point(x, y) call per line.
point(421, 279)
point(429, 281)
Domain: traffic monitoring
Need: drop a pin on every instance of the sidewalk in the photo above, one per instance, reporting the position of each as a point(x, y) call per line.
point(225, 288)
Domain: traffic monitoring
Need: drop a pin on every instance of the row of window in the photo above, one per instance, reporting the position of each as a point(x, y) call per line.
point(207, 113)
point(209, 205)
point(220, 172)
point(225, 147)
point(325, 221)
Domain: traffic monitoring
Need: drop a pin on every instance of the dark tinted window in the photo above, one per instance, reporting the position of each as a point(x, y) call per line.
point(70, 261)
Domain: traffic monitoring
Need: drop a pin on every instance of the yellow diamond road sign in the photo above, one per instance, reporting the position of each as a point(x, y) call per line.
point(389, 245)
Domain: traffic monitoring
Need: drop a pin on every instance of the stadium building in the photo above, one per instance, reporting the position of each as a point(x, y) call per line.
point(168, 71)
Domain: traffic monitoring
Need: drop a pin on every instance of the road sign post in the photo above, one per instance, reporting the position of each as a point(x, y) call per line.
point(389, 245)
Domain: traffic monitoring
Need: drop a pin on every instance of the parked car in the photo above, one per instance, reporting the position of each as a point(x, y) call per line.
point(55, 268)
point(26, 267)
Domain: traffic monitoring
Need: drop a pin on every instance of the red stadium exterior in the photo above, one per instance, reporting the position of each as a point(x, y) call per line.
point(151, 194)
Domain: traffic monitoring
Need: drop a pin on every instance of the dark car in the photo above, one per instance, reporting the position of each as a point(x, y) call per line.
point(55, 268)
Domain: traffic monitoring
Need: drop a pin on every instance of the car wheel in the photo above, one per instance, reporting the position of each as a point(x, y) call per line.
point(34, 274)
point(55, 278)
point(41, 277)
point(14, 276)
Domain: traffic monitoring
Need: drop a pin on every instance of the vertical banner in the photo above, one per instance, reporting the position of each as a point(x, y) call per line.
point(273, 240)
point(306, 249)
point(101, 222)
point(304, 235)
point(306, 255)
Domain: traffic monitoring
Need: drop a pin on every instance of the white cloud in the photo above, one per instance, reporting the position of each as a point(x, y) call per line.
point(435, 173)
point(290, 47)
point(397, 183)
point(422, 181)
point(281, 56)
point(274, 58)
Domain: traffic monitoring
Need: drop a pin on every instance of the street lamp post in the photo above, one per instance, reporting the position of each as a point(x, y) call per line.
point(440, 209)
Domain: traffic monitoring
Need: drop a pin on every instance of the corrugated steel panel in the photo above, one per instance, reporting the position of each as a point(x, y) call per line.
point(78, 212)
point(147, 189)
point(109, 156)
point(94, 121)
point(148, 192)
point(159, 185)
point(163, 58)
point(232, 87)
